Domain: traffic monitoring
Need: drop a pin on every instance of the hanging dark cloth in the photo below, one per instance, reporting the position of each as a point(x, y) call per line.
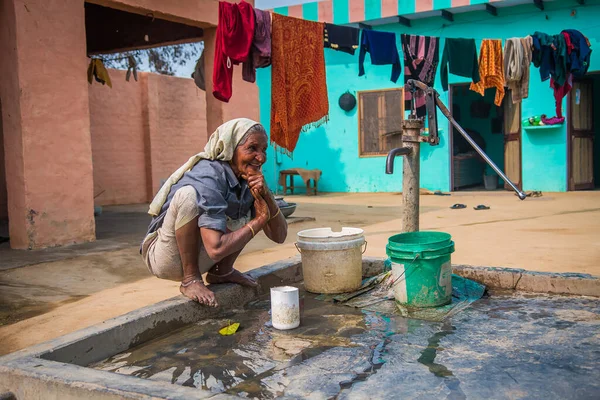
point(560, 59)
point(235, 31)
point(561, 80)
point(421, 58)
point(542, 55)
point(576, 56)
point(461, 55)
point(383, 50)
point(260, 51)
point(341, 38)
point(131, 69)
point(198, 74)
point(579, 57)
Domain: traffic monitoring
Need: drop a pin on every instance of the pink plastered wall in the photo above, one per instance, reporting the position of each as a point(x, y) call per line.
point(45, 113)
point(118, 150)
point(3, 192)
point(177, 124)
point(142, 132)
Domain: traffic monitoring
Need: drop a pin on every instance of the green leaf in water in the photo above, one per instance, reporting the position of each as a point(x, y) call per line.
point(230, 329)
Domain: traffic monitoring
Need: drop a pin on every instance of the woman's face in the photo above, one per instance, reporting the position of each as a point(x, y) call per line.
point(249, 157)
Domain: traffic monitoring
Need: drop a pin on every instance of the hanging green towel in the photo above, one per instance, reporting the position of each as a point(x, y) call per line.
point(461, 54)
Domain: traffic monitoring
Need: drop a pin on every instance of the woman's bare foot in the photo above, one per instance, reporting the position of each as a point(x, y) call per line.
point(233, 277)
point(198, 292)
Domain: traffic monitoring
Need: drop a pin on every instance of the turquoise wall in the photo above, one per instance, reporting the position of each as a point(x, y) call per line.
point(333, 147)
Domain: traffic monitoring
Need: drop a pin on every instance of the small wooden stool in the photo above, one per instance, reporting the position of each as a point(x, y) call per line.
point(283, 175)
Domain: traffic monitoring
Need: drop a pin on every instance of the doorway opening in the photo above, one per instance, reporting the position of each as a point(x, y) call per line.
point(583, 143)
point(497, 130)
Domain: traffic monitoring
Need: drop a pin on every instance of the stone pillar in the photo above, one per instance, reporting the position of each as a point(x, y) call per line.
point(411, 129)
point(45, 115)
point(214, 107)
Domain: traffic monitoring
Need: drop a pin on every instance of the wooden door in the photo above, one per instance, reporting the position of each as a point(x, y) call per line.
point(581, 135)
point(512, 141)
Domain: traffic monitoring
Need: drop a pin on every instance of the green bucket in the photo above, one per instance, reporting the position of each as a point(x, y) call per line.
point(421, 268)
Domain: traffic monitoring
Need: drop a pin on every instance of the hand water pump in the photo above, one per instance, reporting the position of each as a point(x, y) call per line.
point(412, 139)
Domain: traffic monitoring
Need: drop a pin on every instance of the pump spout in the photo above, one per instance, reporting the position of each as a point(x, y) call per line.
point(389, 162)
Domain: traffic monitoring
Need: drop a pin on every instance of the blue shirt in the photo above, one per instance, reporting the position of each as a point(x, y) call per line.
point(219, 194)
point(382, 48)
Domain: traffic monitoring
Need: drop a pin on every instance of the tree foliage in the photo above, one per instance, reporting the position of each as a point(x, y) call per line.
point(162, 60)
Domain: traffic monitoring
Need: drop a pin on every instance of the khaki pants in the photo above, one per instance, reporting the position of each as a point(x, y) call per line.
point(159, 249)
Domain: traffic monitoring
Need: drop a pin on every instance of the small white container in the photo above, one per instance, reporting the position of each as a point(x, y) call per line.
point(285, 307)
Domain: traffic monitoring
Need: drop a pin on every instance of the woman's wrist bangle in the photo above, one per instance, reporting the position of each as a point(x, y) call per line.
point(251, 230)
point(276, 214)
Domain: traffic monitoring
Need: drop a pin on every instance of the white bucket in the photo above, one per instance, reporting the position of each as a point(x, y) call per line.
point(331, 261)
point(285, 307)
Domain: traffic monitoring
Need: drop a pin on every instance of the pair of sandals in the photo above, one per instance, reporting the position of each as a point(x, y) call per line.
point(459, 206)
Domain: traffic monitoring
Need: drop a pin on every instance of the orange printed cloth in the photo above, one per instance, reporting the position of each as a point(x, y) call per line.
point(491, 69)
point(298, 86)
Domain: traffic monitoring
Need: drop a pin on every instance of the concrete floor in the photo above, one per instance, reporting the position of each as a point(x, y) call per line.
point(506, 346)
point(87, 284)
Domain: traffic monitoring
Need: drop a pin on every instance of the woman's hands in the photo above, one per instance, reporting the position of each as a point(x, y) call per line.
point(258, 188)
point(257, 182)
point(261, 207)
point(275, 225)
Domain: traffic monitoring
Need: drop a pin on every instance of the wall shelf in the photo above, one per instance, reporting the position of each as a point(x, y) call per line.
point(543, 127)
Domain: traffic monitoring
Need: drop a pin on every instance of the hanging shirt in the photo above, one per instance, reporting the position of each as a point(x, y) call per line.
point(235, 31)
point(382, 48)
point(341, 38)
point(461, 55)
point(260, 51)
point(421, 57)
point(527, 43)
point(491, 69)
point(517, 57)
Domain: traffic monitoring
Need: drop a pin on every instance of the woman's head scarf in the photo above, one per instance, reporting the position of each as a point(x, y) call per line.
point(221, 146)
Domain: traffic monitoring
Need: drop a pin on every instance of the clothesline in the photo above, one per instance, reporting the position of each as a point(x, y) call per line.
point(104, 59)
point(97, 71)
point(240, 32)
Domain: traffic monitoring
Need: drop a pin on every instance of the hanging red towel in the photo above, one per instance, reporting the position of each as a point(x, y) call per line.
point(570, 46)
point(560, 92)
point(235, 31)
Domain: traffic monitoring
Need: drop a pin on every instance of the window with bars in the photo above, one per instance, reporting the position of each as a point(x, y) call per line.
point(380, 113)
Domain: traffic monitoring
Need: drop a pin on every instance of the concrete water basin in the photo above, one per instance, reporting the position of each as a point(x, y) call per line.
point(508, 345)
